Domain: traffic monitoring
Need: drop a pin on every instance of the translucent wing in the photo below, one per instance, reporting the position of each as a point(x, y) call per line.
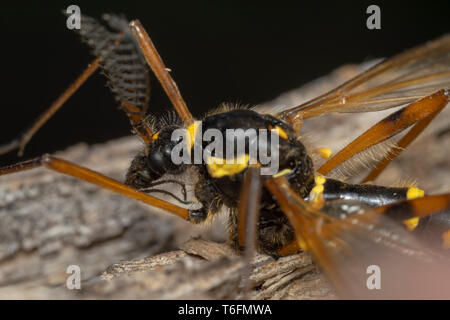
point(399, 80)
point(366, 255)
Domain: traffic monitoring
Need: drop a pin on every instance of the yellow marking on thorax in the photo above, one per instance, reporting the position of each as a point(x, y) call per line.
point(413, 193)
point(219, 167)
point(155, 136)
point(446, 240)
point(324, 152)
point(281, 133)
point(282, 173)
point(192, 130)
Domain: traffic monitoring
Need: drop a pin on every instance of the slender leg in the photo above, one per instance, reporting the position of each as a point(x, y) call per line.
point(96, 178)
point(21, 141)
point(248, 216)
point(157, 65)
point(401, 145)
point(418, 111)
point(128, 86)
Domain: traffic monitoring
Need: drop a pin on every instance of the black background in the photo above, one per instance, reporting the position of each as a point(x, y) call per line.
point(235, 51)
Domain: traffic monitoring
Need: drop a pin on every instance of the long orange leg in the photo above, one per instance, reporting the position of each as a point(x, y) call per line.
point(402, 144)
point(21, 141)
point(135, 113)
point(157, 65)
point(419, 112)
point(248, 219)
point(96, 178)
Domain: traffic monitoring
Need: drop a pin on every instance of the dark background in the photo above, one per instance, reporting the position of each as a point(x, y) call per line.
point(236, 51)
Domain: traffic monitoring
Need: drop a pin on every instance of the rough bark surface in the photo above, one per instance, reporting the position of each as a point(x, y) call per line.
point(127, 250)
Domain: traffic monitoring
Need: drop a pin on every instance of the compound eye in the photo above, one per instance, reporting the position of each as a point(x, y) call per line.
point(156, 162)
point(167, 152)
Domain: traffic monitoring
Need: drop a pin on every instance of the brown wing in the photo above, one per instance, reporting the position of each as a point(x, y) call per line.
point(347, 250)
point(399, 80)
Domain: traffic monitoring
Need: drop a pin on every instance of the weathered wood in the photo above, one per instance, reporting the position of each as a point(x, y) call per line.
point(204, 269)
